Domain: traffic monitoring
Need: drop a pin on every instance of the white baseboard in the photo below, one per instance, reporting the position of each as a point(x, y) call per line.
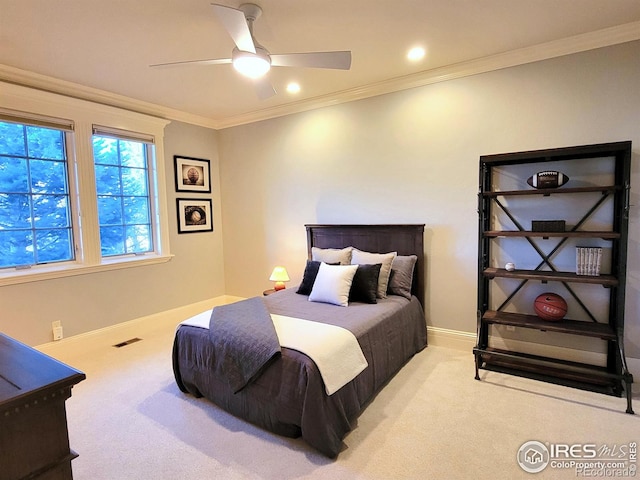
point(443, 337)
point(125, 330)
point(440, 337)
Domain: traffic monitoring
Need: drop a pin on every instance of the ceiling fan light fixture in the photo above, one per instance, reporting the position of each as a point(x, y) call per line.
point(252, 65)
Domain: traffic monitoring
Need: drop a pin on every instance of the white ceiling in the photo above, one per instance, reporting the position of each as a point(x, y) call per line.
point(105, 47)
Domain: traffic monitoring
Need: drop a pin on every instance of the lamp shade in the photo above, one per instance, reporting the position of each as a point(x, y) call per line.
point(279, 275)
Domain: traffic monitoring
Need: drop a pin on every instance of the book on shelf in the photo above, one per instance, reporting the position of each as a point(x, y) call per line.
point(588, 260)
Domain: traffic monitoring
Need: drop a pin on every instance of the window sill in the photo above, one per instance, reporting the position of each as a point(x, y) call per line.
point(36, 274)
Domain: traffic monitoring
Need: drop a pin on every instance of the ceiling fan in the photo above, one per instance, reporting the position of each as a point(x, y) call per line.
point(252, 59)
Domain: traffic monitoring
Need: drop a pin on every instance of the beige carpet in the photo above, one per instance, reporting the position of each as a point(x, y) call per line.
point(128, 420)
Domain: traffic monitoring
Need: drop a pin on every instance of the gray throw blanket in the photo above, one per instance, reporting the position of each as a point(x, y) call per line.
point(245, 340)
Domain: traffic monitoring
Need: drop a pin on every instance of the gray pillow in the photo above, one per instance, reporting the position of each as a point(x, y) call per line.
point(358, 257)
point(332, 255)
point(401, 279)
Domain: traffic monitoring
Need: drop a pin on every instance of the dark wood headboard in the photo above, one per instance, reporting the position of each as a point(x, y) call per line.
point(404, 239)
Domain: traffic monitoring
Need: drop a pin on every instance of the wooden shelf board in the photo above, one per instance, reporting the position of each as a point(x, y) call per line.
point(575, 327)
point(511, 369)
point(605, 235)
point(552, 191)
point(578, 375)
point(545, 275)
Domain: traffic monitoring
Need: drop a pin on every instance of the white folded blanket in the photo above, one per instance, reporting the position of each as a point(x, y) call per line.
point(200, 320)
point(335, 350)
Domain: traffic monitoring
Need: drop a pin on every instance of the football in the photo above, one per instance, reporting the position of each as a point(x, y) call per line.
point(550, 306)
point(548, 179)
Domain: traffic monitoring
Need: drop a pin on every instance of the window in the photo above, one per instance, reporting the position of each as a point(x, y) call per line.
point(122, 185)
point(76, 197)
point(35, 216)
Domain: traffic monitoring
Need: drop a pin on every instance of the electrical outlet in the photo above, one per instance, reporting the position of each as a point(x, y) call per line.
point(56, 327)
point(510, 328)
point(57, 333)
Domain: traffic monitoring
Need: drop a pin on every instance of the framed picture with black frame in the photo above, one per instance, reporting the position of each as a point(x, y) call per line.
point(192, 174)
point(195, 215)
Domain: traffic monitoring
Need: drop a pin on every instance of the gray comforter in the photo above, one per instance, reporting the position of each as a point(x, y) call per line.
point(245, 339)
point(288, 398)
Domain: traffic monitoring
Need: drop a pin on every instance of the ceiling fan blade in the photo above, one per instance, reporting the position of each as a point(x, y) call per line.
point(211, 61)
point(337, 60)
point(264, 89)
point(235, 23)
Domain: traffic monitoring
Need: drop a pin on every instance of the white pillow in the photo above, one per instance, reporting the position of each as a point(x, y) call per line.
point(332, 255)
point(333, 284)
point(358, 257)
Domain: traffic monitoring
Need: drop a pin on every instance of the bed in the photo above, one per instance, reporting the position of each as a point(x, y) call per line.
point(289, 396)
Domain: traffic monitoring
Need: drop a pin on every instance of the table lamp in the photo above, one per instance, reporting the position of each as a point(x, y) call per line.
point(279, 275)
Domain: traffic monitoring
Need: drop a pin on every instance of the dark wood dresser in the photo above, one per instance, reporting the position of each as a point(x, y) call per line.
point(34, 440)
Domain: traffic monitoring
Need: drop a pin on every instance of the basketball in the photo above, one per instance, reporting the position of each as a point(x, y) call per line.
point(193, 175)
point(550, 306)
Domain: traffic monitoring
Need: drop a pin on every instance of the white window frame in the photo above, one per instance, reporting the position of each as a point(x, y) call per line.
point(84, 115)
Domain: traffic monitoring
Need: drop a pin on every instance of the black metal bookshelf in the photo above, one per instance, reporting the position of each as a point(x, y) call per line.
point(614, 378)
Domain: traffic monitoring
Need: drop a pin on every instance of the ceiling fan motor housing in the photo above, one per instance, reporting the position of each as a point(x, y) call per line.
point(251, 11)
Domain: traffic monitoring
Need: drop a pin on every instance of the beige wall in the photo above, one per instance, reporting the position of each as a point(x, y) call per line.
point(92, 301)
point(412, 157)
point(406, 157)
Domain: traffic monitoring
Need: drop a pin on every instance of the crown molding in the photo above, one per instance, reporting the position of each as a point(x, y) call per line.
point(44, 83)
point(579, 43)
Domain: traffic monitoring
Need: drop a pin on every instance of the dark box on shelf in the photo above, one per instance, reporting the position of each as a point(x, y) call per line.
point(547, 225)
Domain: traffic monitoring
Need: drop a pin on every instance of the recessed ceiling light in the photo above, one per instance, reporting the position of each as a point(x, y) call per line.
point(293, 87)
point(415, 54)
